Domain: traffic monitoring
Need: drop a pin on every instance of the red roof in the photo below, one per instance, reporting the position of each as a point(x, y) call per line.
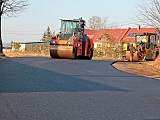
point(137, 30)
point(119, 34)
point(115, 33)
point(89, 32)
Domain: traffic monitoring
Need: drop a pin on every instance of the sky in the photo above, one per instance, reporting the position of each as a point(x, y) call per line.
point(31, 23)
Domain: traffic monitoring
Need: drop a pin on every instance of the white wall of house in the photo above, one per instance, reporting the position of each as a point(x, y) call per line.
point(22, 47)
point(97, 44)
point(13, 49)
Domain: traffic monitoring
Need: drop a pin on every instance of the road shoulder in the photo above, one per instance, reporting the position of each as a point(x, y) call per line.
point(146, 69)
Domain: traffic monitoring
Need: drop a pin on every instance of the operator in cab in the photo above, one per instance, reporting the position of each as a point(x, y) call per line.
point(81, 23)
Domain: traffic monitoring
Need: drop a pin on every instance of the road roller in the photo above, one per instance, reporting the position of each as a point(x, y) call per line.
point(71, 42)
point(145, 47)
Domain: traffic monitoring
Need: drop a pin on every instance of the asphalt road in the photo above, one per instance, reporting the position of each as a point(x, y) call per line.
point(62, 89)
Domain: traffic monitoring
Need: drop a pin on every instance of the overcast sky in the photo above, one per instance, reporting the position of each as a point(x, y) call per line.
point(31, 23)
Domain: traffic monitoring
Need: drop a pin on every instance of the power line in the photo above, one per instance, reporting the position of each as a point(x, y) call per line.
point(131, 23)
point(26, 32)
point(20, 33)
point(23, 31)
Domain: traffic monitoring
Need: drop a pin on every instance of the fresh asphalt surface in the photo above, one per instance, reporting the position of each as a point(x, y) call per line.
point(63, 89)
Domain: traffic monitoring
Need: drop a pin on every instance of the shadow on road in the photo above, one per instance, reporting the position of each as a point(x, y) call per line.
point(16, 77)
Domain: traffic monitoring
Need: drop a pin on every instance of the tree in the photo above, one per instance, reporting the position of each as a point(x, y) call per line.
point(96, 23)
point(15, 45)
point(10, 8)
point(47, 35)
point(149, 13)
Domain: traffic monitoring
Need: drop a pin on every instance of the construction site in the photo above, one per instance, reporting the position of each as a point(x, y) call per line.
point(74, 41)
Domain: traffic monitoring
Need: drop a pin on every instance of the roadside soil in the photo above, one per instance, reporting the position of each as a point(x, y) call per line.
point(25, 54)
point(148, 68)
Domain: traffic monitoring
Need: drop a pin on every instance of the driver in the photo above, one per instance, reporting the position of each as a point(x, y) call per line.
point(81, 23)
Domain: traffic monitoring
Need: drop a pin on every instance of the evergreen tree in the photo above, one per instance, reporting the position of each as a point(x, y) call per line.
point(47, 35)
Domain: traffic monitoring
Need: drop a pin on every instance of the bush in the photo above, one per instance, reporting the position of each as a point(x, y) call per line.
point(39, 48)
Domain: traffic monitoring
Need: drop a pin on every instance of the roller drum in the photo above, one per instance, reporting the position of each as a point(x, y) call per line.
point(61, 51)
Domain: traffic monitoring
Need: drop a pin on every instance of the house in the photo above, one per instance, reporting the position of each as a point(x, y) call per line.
point(7, 47)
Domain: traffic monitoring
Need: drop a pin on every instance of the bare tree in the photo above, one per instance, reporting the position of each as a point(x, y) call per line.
point(149, 12)
point(96, 23)
point(10, 8)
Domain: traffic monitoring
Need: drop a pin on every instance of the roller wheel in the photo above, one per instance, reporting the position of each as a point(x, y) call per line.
point(154, 56)
point(51, 55)
point(141, 56)
point(74, 55)
point(90, 55)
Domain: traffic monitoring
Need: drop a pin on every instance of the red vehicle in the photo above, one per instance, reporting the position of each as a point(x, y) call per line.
point(71, 42)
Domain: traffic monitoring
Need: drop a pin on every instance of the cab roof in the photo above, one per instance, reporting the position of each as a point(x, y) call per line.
point(66, 19)
point(142, 34)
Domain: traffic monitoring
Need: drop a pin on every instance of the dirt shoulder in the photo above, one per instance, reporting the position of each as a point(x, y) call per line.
point(148, 69)
point(25, 54)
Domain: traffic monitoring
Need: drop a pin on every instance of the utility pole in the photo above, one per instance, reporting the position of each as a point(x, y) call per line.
point(1, 12)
